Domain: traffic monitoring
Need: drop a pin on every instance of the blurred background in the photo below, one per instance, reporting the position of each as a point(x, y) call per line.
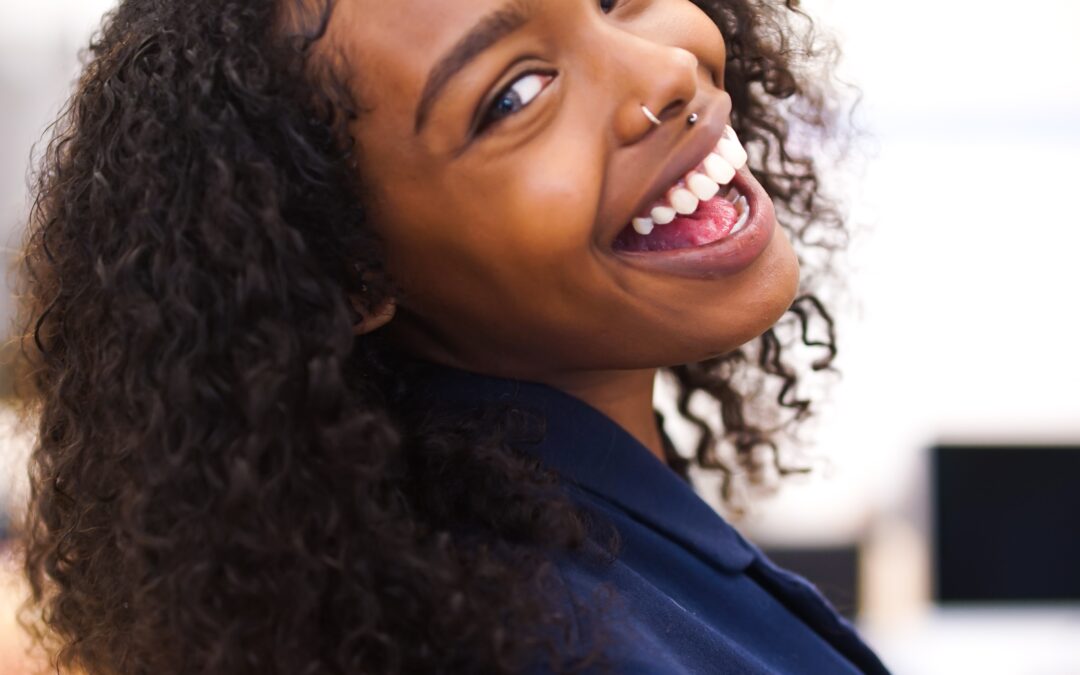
point(946, 517)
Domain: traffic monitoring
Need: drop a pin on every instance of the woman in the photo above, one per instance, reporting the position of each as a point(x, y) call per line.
point(345, 319)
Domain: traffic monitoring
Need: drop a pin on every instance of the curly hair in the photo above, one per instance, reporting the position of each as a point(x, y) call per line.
point(225, 479)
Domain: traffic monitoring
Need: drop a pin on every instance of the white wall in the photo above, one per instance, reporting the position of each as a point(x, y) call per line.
point(968, 279)
point(38, 44)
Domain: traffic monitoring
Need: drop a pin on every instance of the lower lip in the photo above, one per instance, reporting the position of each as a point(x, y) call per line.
point(723, 257)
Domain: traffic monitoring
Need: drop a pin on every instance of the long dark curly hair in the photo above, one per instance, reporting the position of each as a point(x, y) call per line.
point(225, 478)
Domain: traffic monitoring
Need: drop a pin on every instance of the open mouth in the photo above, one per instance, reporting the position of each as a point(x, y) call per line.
point(712, 220)
point(703, 206)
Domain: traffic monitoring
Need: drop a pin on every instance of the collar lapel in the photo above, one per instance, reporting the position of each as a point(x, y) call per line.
point(594, 453)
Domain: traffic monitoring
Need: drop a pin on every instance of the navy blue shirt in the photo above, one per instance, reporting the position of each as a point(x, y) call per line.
point(694, 596)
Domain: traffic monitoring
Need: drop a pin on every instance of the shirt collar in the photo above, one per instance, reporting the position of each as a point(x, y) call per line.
point(590, 450)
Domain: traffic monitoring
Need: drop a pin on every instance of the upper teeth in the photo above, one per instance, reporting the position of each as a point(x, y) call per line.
point(684, 201)
point(643, 225)
point(719, 169)
point(732, 150)
point(699, 184)
point(662, 215)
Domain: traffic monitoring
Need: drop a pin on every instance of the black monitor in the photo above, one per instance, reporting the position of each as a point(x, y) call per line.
point(833, 569)
point(1006, 522)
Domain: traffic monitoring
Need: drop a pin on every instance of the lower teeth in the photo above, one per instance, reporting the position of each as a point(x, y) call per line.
point(743, 208)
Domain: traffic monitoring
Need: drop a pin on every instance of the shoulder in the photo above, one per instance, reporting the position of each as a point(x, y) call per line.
point(604, 637)
point(640, 630)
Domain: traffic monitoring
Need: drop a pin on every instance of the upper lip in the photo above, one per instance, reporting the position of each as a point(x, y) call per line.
point(707, 133)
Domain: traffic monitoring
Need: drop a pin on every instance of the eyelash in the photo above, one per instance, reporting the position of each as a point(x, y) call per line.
point(487, 120)
point(506, 93)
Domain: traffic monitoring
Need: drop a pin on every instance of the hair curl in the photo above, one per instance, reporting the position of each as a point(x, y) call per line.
point(225, 479)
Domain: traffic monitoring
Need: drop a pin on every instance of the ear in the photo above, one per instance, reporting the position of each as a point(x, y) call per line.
point(378, 317)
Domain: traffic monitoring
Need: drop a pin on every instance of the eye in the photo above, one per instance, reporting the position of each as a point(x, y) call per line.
point(608, 5)
point(519, 94)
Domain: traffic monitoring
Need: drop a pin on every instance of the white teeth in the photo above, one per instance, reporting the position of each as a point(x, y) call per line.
point(643, 226)
point(719, 169)
point(662, 215)
point(743, 209)
point(731, 150)
point(683, 201)
point(703, 187)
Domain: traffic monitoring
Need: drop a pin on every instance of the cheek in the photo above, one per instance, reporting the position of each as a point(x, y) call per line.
point(537, 211)
point(549, 211)
point(493, 235)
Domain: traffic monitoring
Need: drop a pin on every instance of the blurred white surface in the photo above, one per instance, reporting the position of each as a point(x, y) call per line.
point(39, 40)
point(992, 640)
point(965, 266)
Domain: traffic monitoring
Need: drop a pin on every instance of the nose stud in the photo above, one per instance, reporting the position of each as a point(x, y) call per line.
point(691, 119)
point(648, 113)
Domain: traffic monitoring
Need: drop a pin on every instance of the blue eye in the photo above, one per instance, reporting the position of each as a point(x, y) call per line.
point(519, 94)
point(523, 90)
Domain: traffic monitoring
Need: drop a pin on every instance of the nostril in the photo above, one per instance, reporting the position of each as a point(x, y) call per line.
point(672, 109)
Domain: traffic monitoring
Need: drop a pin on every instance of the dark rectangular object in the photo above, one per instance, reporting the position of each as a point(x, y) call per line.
point(834, 570)
point(1006, 523)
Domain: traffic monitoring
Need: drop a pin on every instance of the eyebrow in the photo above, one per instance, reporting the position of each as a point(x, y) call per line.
point(485, 34)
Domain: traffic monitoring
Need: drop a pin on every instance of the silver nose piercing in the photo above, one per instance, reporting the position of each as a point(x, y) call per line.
point(648, 113)
point(692, 119)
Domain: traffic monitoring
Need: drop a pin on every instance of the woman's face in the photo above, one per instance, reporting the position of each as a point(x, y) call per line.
point(499, 185)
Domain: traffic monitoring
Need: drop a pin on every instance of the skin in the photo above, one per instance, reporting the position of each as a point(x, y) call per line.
point(501, 241)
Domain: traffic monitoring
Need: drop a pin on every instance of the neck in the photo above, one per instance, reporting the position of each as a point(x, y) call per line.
point(626, 396)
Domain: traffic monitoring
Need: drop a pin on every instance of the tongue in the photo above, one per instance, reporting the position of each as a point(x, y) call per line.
point(712, 220)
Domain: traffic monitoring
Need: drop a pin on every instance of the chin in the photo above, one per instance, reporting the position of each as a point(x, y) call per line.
point(785, 274)
point(780, 266)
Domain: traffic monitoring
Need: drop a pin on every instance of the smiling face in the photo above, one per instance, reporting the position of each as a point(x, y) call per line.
point(500, 187)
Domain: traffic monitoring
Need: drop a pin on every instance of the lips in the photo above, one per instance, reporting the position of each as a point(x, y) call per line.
point(728, 255)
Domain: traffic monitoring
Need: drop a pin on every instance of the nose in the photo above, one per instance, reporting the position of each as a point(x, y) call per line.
point(663, 78)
